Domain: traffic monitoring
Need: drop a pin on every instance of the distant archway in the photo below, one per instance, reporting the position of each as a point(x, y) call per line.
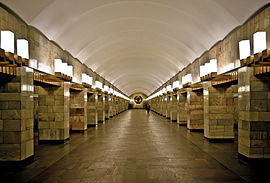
point(137, 100)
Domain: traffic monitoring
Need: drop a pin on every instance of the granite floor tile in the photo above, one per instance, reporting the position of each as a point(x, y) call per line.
point(136, 147)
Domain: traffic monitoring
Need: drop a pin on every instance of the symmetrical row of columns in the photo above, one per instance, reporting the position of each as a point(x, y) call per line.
point(215, 109)
point(58, 110)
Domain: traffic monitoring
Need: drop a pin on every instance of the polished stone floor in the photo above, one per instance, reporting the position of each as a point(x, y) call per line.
point(137, 147)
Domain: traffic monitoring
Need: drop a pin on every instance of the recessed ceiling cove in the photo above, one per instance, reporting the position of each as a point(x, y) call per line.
point(137, 45)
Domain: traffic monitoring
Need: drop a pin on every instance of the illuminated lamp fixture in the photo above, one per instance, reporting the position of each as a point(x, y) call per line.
point(7, 41)
point(111, 90)
point(187, 80)
point(87, 80)
point(244, 49)
point(208, 70)
point(169, 89)
point(106, 88)
point(23, 48)
point(57, 65)
point(70, 70)
point(63, 70)
point(164, 90)
point(33, 63)
point(259, 45)
point(98, 85)
point(176, 85)
point(259, 42)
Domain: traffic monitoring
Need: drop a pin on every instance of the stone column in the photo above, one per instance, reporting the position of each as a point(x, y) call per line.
point(111, 114)
point(101, 108)
point(159, 105)
point(92, 117)
point(182, 109)
point(117, 105)
point(113, 105)
point(195, 110)
point(164, 106)
point(54, 113)
point(16, 116)
point(235, 105)
point(78, 110)
point(254, 115)
point(168, 107)
point(218, 112)
point(107, 107)
point(174, 108)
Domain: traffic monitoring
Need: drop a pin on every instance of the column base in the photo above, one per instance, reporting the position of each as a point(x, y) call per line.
point(255, 161)
point(16, 165)
point(78, 131)
point(182, 124)
point(91, 125)
point(196, 130)
point(101, 121)
point(52, 141)
point(216, 140)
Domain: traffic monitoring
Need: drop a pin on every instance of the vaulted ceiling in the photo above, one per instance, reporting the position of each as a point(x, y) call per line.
point(137, 45)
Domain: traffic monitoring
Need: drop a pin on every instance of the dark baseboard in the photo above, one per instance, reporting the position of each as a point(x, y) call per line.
point(254, 161)
point(231, 140)
point(196, 130)
point(16, 165)
point(77, 131)
point(182, 124)
point(52, 141)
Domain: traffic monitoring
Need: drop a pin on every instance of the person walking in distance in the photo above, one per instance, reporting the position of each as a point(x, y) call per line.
point(147, 108)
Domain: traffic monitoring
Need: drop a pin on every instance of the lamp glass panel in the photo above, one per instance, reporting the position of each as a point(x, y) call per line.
point(202, 70)
point(176, 84)
point(64, 68)
point(90, 80)
point(70, 70)
point(23, 48)
point(259, 41)
point(98, 84)
point(57, 65)
point(244, 49)
point(33, 63)
point(7, 41)
point(213, 65)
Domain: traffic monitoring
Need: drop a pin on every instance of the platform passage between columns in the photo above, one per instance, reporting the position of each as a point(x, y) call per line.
point(137, 147)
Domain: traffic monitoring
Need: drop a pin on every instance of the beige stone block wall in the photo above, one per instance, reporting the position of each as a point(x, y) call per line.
point(107, 107)
point(114, 106)
point(54, 108)
point(101, 108)
point(182, 109)
point(168, 107)
point(235, 105)
point(174, 108)
point(78, 110)
point(16, 116)
point(164, 106)
point(92, 117)
point(218, 112)
point(254, 115)
point(111, 107)
point(195, 110)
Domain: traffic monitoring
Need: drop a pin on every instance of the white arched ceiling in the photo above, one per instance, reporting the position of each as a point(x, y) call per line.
point(137, 45)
